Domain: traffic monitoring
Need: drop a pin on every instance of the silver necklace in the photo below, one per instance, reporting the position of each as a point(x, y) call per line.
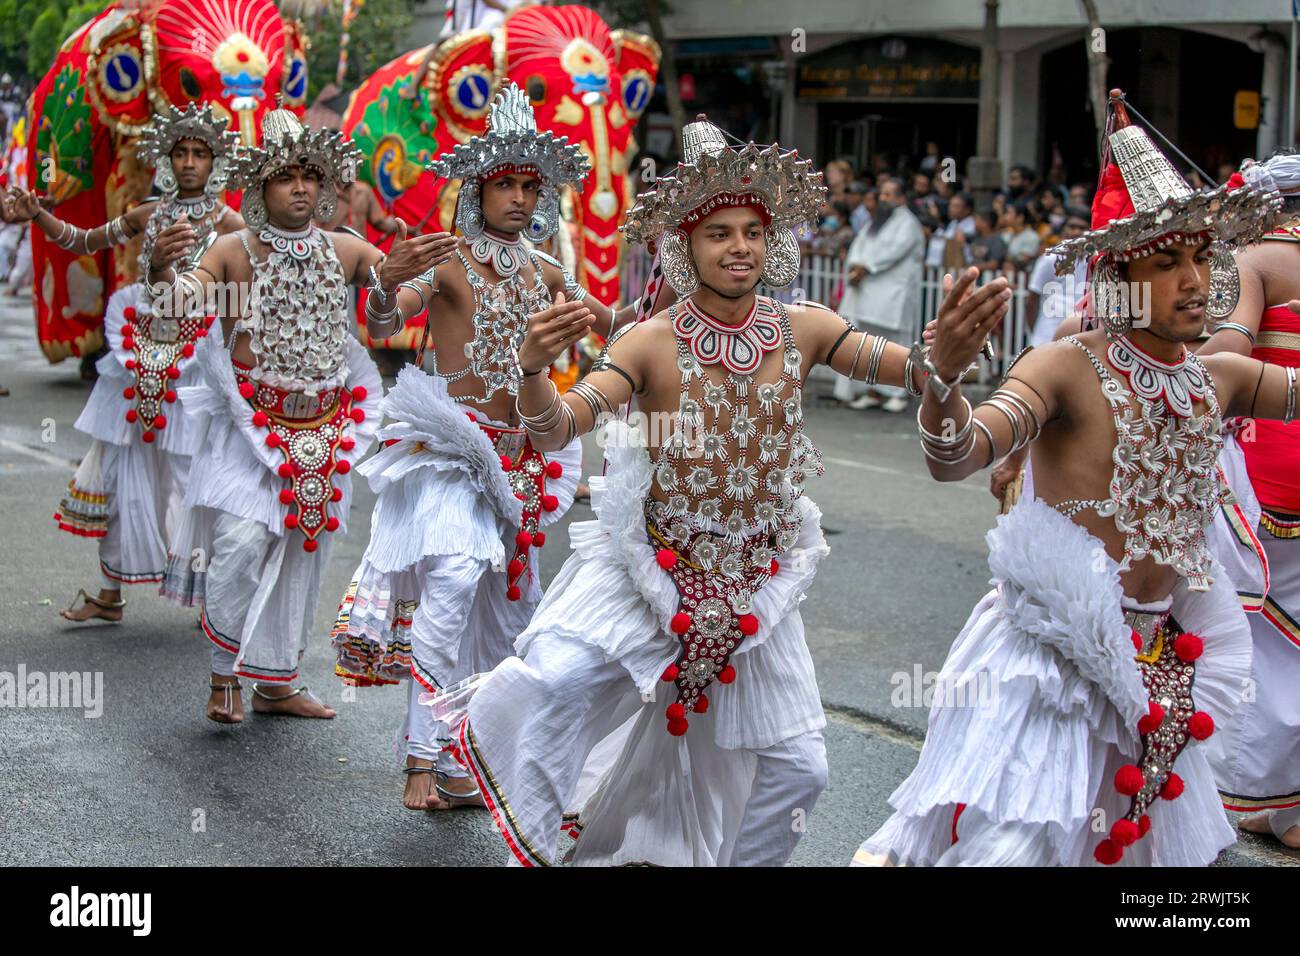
point(295, 244)
point(501, 256)
point(1178, 384)
point(196, 207)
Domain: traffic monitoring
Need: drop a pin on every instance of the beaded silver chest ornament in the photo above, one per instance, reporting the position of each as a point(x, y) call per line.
point(733, 469)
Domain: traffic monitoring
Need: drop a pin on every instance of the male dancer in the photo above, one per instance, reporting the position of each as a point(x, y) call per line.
point(129, 487)
point(1257, 756)
point(448, 581)
point(288, 403)
point(701, 551)
point(1113, 639)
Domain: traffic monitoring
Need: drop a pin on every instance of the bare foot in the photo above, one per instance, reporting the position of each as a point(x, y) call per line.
point(106, 607)
point(225, 703)
point(419, 793)
point(453, 792)
point(289, 702)
point(1259, 823)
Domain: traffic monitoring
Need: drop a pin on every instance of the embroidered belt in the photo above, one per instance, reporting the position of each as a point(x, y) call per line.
point(715, 614)
point(154, 357)
point(1278, 340)
point(1166, 657)
point(527, 470)
point(310, 446)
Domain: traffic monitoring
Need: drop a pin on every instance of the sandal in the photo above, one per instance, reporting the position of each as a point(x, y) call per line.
point(228, 701)
point(453, 800)
point(89, 600)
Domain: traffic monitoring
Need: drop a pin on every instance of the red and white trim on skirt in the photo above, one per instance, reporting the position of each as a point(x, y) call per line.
point(244, 670)
point(465, 749)
point(124, 577)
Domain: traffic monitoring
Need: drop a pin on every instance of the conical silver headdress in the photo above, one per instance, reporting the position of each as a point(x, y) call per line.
point(512, 140)
point(155, 145)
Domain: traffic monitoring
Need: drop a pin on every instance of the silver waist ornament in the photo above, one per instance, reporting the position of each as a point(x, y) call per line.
point(1164, 489)
point(737, 459)
point(501, 311)
point(297, 317)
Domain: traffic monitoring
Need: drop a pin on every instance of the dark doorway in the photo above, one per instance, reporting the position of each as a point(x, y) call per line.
point(897, 131)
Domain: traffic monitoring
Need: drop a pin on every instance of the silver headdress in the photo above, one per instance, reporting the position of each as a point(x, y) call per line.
point(160, 137)
point(512, 139)
point(713, 174)
point(1166, 210)
point(287, 142)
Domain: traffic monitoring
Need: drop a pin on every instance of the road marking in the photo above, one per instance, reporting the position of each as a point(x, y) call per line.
point(39, 455)
point(884, 470)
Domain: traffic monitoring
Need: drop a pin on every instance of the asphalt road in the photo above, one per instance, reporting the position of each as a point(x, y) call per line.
point(150, 781)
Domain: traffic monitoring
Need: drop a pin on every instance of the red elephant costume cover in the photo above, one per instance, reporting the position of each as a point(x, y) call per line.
point(584, 81)
point(87, 111)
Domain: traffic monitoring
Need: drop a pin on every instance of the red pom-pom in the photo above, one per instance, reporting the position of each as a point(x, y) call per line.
point(550, 502)
point(169, 396)
point(1188, 647)
point(1152, 721)
point(506, 463)
point(748, 624)
point(1108, 852)
point(1136, 638)
point(201, 334)
point(678, 727)
point(188, 350)
point(286, 496)
point(1144, 825)
point(359, 393)
point(336, 494)
point(246, 389)
point(343, 466)
point(128, 393)
point(513, 593)
point(1200, 725)
point(554, 469)
point(285, 470)
point(347, 444)
point(131, 416)
point(173, 373)
point(1128, 780)
point(291, 521)
point(147, 438)
point(681, 623)
point(358, 415)
point(331, 523)
point(670, 673)
point(776, 566)
point(129, 313)
point(675, 711)
point(701, 704)
point(1125, 832)
point(128, 344)
point(665, 558)
point(260, 419)
point(1173, 788)
point(160, 422)
point(273, 440)
point(514, 569)
point(726, 675)
point(128, 330)
point(130, 365)
point(523, 540)
point(309, 545)
point(539, 539)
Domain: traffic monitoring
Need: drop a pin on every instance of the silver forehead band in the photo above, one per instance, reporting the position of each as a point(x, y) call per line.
point(167, 129)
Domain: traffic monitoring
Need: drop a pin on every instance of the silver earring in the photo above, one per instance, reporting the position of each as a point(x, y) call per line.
point(164, 178)
point(546, 217)
point(254, 209)
point(679, 267)
point(1109, 301)
point(782, 260)
point(328, 202)
point(216, 183)
point(1225, 283)
point(469, 212)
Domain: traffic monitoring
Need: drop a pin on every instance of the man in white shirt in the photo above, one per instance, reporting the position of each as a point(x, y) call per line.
point(961, 221)
point(1052, 297)
point(882, 286)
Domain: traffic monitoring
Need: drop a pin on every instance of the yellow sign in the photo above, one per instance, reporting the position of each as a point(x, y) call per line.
point(1245, 109)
